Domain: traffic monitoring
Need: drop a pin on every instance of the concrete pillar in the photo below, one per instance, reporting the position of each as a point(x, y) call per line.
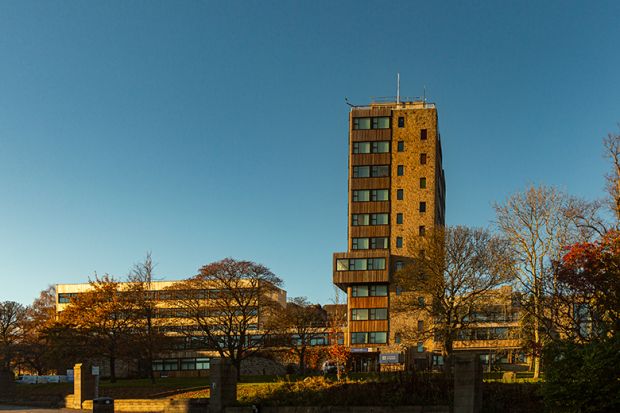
point(223, 385)
point(467, 382)
point(83, 384)
point(7, 382)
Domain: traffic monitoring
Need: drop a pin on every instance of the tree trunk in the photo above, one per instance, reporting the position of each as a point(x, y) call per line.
point(112, 369)
point(302, 360)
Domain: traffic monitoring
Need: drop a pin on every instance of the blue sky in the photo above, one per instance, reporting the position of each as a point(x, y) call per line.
point(200, 130)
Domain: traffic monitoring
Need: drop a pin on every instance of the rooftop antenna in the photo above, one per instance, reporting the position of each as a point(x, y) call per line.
point(397, 87)
point(424, 93)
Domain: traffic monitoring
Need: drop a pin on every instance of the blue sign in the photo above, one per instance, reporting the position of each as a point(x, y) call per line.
point(390, 358)
point(359, 350)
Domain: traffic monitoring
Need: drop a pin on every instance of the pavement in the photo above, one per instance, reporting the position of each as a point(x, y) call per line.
point(30, 409)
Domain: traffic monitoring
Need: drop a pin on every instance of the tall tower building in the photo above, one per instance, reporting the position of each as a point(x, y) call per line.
point(396, 197)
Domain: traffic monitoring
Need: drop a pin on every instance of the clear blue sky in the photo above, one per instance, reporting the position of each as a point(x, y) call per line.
point(205, 129)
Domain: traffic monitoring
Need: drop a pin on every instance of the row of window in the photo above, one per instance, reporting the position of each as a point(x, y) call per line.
point(487, 333)
point(379, 122)
point(368, 195)
point(371, 290)
point(371, 171)
point(199, 363)
point(382, 147)
point(372, 337)
point(373, 243)
point(361, 314)
point(369, 219)
point(360, 264)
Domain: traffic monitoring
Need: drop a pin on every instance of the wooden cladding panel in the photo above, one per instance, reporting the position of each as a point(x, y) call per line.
point(370, 183)
point(370, 231)
point(369, 207)
point(363, 135)
point(364, 113)
point(370, 325)
point(349, 277)
point(370, 159)
point(368, 302)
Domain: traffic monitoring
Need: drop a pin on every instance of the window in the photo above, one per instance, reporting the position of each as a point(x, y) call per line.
point(188, 364)
point(400, 265)
point(422, 183)
point(381, 123)
point(378, 290)
point(361, 123)
point(420, 347)
point(64, 298)
point(400, 170)
point(158, 365)
point(360, 219)
point(401, 146)
point(422, 206)
point(380, 147)
point(361, 147)
point(359, 243)
point(171, 365)
point(400, 194)
point(399, 218)
point(379, 219)
point(379, 195)
point(360, 264)
point(361, 171)
point(359, 291)
point(378, 313)
point(399, 242)
point(422, 159)
point(401, 121)
point(378, 243)
point(398, 290)
point(203, 363)
point(420, 326)
point(377, 337)
point(421, 230)
point(359, 314)
point(359, 338)
point(421, 302)
point(423, 134)
point(361, 196)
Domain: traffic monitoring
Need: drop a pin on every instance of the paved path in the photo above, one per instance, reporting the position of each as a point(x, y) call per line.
point(30, 409)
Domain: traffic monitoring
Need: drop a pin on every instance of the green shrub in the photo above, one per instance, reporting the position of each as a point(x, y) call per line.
point(582, 377)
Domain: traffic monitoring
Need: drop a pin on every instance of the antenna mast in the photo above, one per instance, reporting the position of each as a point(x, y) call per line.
point(398, 88)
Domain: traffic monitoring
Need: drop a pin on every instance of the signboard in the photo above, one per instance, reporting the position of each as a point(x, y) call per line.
point(359, 350)
point(390, 358)
point(95, 371)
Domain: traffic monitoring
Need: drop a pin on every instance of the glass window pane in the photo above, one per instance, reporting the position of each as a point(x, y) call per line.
point(342, 265)
point(361, 171)
point(361, 123)
point(383, 123)
point(382, 147)
point(359, 291)
point(359, 243)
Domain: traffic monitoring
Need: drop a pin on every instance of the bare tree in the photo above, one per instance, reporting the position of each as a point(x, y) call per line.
point(612, 151)
point(12, 317)
point(538, 223)
point(228, 306)
point(301, 323)
point(149, 339)
point(451, 284)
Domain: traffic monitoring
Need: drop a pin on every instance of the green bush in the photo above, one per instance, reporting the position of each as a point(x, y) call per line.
point(582, 377)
